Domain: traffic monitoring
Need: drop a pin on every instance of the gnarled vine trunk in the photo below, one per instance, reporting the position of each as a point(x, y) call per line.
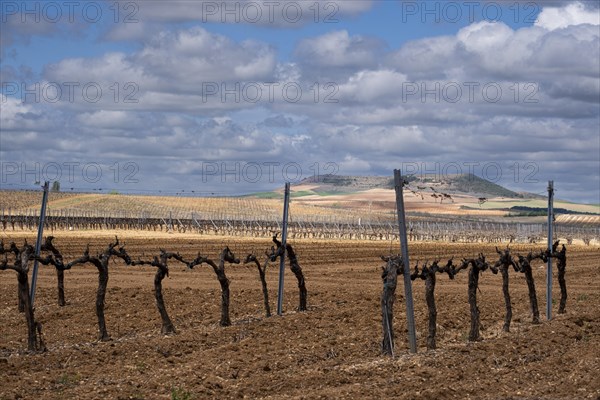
point(561, 265)
point(388, 297)
point(263, 280)
point(60, 279)
point(34, 343)
point(296, 270)
point(430, 300)
point(100, 297)
point(504, 264)
point(162, 270)
point(473, 284)
point(224, 282)
point(525, 266)
point(265, 291)
point(226, 255)
point(563, 287)
point(477, 266)
point(101, 263)
point(21, 267)
point(167, 325)
point(506, 293)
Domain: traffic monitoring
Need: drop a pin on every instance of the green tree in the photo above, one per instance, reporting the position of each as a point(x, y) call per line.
point(56, 186)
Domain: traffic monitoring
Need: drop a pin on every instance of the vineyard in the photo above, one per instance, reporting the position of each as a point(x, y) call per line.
point(240, 216)
point(331, 350)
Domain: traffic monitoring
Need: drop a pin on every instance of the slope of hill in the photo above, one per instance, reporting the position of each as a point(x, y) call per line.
point(451, 184)
point(454, 195)
point(337, 197)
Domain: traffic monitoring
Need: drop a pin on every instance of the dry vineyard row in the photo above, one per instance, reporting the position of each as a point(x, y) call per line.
point(324, 228)
point(19, 258)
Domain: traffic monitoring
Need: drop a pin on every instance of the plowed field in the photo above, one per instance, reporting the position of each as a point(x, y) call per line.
point(330, 352)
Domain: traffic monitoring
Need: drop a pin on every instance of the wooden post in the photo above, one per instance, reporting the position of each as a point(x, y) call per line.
point(38, 243)
point(286, 202)
point(410, 314)
point(549, 267)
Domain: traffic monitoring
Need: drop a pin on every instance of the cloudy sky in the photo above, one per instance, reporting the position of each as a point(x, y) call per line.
point(239, 96)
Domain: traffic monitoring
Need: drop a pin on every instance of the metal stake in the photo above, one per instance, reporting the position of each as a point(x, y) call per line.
point(410, 313)
point(550, 236)
point(38, 243)
point(286, 202)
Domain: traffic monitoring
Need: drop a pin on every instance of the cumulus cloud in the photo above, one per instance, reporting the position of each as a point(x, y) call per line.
point(339, 49)
point(489, 93)
point(285, 13)
point(192, 69)
point(152, 16)
point(572, 14)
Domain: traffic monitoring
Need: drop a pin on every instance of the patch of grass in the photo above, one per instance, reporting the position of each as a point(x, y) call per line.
point(68, 379)
point(141, 366)
point(535, 211)
point(582, 297)
point(266, 195)
point(302, 193)
point(178, 393)
point(330, 193)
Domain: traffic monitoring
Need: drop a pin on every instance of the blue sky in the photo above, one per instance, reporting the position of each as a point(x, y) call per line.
point(392, 21)
point(509, 90)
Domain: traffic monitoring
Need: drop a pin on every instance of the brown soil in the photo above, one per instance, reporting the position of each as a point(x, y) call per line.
point(331, 351)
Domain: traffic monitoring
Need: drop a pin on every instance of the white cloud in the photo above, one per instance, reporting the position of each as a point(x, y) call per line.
point(494, 51)
point(172, 70)
point(339, 49)
point(372, 127)
point(105, 119)
point(572, 14)
point(283, 13)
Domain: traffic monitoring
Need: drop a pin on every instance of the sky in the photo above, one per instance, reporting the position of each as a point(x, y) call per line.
point(234, 97)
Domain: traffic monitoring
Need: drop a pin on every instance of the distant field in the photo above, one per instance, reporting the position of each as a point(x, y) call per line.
point(19, 202)
point(508, 203)
point(307, 204)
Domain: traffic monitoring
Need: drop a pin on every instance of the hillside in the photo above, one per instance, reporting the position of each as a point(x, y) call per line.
point(463, 195)
point(330, 197)
point(452, 184)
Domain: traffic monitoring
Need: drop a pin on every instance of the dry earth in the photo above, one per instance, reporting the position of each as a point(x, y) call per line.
point(330, 351)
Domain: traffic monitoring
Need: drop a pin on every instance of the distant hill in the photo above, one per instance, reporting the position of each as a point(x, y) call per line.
point(345, 183)
point(452, 184)
point(474, 185)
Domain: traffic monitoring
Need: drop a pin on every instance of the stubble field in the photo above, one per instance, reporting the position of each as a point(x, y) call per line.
point(330, 351)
